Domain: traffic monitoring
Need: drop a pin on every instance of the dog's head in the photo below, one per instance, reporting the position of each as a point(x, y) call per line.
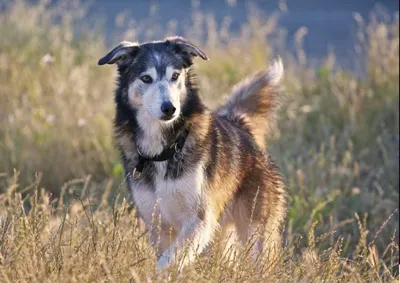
point(153, 75)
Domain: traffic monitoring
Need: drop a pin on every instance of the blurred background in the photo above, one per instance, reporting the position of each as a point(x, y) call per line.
point(330, 25)
point(337, 141)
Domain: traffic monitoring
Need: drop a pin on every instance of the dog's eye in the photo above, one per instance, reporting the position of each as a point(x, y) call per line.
point(147, 79)
point(175, 76)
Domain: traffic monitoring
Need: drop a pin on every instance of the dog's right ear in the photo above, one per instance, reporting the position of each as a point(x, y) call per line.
point(121, 54)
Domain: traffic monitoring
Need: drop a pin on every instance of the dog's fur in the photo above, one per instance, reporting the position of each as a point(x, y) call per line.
point(227, 178)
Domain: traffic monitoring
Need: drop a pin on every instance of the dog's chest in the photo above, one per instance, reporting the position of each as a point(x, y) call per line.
point(176, 199)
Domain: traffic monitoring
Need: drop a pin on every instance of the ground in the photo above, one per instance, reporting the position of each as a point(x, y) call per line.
point(65, 214)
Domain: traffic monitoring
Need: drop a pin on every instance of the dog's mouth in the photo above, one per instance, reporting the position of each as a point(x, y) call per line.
point(168, 119)
point(165, 119)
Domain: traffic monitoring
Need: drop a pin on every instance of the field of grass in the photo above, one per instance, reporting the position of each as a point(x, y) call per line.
point(65, 214)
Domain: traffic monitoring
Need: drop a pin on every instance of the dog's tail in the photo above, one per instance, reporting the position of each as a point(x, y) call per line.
point(253, 102)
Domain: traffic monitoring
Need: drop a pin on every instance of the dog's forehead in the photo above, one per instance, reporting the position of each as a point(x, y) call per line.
point(159, 56)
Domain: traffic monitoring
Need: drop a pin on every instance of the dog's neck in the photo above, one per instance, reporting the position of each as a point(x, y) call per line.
point(151, 137)
point(154, 136)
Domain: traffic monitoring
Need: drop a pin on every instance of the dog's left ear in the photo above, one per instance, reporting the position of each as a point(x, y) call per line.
point(121, 54)
point(184, 46)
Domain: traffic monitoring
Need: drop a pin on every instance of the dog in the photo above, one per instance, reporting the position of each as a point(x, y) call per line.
point(191, 171)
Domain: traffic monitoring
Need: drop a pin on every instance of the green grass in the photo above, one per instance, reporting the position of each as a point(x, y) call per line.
point(63, 217)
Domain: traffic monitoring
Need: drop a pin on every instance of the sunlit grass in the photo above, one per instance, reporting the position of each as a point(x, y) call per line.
point(337, 144)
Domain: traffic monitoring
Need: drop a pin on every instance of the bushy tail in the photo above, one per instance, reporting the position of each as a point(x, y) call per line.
point(253, 102)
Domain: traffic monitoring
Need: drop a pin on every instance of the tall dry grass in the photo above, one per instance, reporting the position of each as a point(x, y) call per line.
point(337, 145)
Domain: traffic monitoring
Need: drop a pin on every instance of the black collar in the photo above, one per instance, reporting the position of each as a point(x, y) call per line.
point(173, 151)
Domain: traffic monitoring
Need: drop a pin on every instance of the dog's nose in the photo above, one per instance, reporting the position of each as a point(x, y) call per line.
point(167, 108)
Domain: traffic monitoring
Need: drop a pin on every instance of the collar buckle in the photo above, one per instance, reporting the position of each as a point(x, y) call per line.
point(178, 156)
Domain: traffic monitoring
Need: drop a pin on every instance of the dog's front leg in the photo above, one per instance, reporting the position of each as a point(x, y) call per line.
point(161, 237)
point(195, 234)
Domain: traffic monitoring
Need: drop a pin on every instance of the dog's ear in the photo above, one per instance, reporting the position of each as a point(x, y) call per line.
point(121, 54)
point(183, 46)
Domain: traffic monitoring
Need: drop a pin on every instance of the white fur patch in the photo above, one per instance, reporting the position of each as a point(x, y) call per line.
point(169, 72)
point(195, 232)
point(179, 198)
point(152, 72)
point(152, 142)
point(178, 202)
point(275, 72)
point(145, 201)
point(157, 57)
